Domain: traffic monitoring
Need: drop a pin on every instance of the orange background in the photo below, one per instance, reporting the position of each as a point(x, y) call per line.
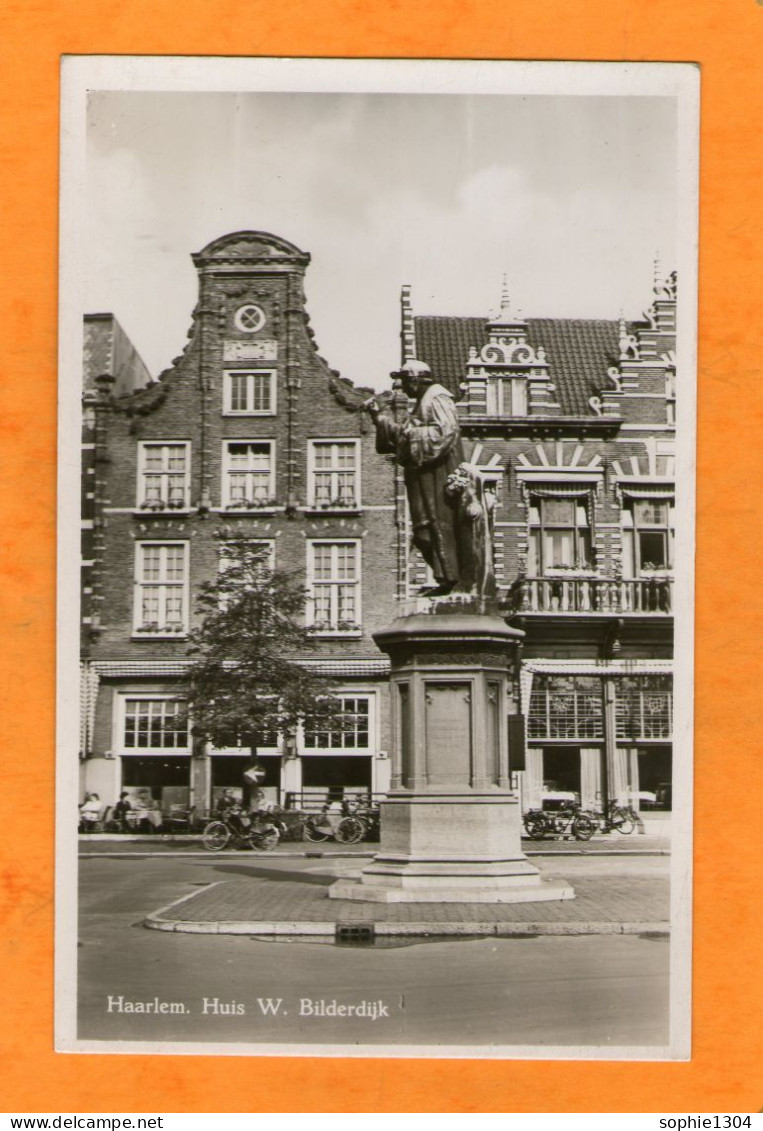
point(724, 38)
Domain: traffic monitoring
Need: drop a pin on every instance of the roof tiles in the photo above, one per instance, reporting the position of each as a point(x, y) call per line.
point(578, 351)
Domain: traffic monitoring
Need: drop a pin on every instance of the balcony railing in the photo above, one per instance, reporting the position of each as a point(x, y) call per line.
point(591, 595)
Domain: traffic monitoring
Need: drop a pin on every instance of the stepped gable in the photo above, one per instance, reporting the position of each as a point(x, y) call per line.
point(579, 352)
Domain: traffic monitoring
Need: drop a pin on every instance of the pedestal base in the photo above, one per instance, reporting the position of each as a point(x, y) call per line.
point(440, 847)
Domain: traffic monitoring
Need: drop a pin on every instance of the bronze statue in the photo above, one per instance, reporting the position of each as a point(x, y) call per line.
point(450, 510)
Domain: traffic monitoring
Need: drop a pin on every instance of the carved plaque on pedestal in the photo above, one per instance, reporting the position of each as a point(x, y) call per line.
point(448, 733)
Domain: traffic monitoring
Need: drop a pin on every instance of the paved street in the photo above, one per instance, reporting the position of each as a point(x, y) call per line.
point(601, 990)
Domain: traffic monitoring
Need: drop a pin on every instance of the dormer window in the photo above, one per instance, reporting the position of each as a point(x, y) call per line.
point(506, 396)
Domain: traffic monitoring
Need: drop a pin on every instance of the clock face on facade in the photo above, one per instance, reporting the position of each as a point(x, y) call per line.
point(249, 318)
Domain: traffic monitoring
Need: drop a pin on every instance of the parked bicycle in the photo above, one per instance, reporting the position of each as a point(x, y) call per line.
point(241, 829)
point(570, 821)
point(354, 825)
point(616, 818)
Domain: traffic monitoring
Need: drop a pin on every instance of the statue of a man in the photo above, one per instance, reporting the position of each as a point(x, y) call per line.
point(427, 443)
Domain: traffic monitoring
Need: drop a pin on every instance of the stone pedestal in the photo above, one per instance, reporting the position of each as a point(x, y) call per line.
point(450, 828)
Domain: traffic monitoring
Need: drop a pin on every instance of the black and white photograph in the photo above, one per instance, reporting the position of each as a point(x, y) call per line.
point(376, 538)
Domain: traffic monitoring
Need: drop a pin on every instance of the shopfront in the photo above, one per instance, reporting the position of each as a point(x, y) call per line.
point(595, 731)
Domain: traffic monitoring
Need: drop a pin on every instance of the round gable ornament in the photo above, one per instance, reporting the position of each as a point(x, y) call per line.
point(250, 318)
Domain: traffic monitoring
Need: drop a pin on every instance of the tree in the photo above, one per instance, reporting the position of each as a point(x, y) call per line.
point(245, 679)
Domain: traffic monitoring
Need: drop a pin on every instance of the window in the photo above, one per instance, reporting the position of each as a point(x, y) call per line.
point(267, 547)
point(248, 474)
point(155, 724)
point(568, 707)
point(333, 473)
point(647, 536)
point(161, 588)
point(249, 318)
point(560, 534)
point(334, 580)
point(249, 392)
point(265, 566)
point(506, 396)
point(644, 707)
point(163, 475)
point(353, 733)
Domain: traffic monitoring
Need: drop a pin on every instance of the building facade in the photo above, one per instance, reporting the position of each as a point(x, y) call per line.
point(248, 435)
point(573, 423)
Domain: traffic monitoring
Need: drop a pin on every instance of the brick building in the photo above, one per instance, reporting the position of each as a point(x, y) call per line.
point(248, 435)
point(574, 423)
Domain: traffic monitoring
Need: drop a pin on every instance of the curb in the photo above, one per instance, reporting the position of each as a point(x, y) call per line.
point(454, 930)
point(160, 921)
point(609, 853)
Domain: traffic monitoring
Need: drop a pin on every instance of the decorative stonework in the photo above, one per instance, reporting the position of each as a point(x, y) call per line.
point(628, 343)
point(514, 353)
point(263, 350)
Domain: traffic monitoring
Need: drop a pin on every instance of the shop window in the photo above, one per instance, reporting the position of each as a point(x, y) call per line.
point(561, 772)
point(655, 765)
point(334, 583)
point(249, 392)
point(566, 707)
point(161, 602)
point(648, 532)
point(643, 707)
point(248, 474)
point(164, 475)
point(333, 775)
point(333, 474)
point(156, 780)
point(353, 733)
point(560, 534)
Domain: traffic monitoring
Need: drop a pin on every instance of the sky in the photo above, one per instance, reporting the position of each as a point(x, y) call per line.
point(569, 197)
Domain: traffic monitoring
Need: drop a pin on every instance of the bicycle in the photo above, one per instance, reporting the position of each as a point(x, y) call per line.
point(260, 834)
point(617, 818)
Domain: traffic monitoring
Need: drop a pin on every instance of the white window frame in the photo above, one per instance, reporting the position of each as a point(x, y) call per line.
point(634, 567)
point(163, 476)
point(141, 584)
point(269, 543)
point(333, 628)
point(495, 396)
point(120, 729)
point(227, 471)
point(313, 471)
point(546, 531)
point(351, 751)
point(228, 374)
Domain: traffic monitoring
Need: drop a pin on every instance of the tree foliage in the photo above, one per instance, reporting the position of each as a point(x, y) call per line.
point(245, 679)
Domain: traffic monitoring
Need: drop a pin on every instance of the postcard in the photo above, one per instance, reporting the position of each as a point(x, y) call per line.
point(376, 537)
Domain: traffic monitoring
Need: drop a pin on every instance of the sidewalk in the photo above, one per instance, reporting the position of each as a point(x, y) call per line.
point(106, 844)
point(258, 904)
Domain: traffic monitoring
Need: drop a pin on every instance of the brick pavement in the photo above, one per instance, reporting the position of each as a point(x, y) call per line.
point(602, 905)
